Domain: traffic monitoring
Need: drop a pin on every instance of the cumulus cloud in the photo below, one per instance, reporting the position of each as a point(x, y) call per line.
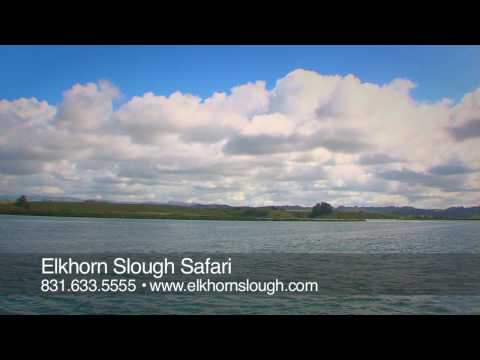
point(310, 138)
point(377, 159)
point(419, 178)
point(453, 168)
point(342, 141)
point(468, 130)
point(465, 117)
point(87, 106)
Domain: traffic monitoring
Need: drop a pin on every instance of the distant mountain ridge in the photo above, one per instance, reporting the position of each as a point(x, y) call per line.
point(197, 205)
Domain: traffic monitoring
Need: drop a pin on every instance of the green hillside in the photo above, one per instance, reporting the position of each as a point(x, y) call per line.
point(156, 211)
point(153, 211)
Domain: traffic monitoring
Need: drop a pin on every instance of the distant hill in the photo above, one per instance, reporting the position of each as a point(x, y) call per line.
point(451, 212)
point(293, 207)
point(34, 197)
point(287, 211)
point(197, 205)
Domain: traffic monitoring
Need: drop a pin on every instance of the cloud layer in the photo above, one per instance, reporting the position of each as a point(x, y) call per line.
point(311, 138)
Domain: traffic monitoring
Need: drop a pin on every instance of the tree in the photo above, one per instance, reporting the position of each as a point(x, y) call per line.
point(23, 202)
point(322, 209)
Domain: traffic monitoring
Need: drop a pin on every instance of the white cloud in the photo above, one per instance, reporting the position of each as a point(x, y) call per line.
point(311, 138)
point(87, 106)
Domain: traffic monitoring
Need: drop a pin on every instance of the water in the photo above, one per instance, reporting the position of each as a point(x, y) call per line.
point(25, 234)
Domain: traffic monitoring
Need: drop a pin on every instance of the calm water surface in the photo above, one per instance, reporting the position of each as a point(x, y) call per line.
point(58, 234)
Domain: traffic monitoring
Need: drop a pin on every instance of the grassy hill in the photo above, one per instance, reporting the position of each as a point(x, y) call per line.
point(157, 211)
point(154, 211)
point(148, 211)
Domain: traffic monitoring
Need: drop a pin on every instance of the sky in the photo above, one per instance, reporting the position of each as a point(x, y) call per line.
point(243, 125)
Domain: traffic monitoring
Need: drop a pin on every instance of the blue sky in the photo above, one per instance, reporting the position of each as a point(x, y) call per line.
point(45, 72)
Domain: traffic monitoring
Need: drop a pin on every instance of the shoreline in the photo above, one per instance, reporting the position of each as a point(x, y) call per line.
point(96, 216)
point(92, 216)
